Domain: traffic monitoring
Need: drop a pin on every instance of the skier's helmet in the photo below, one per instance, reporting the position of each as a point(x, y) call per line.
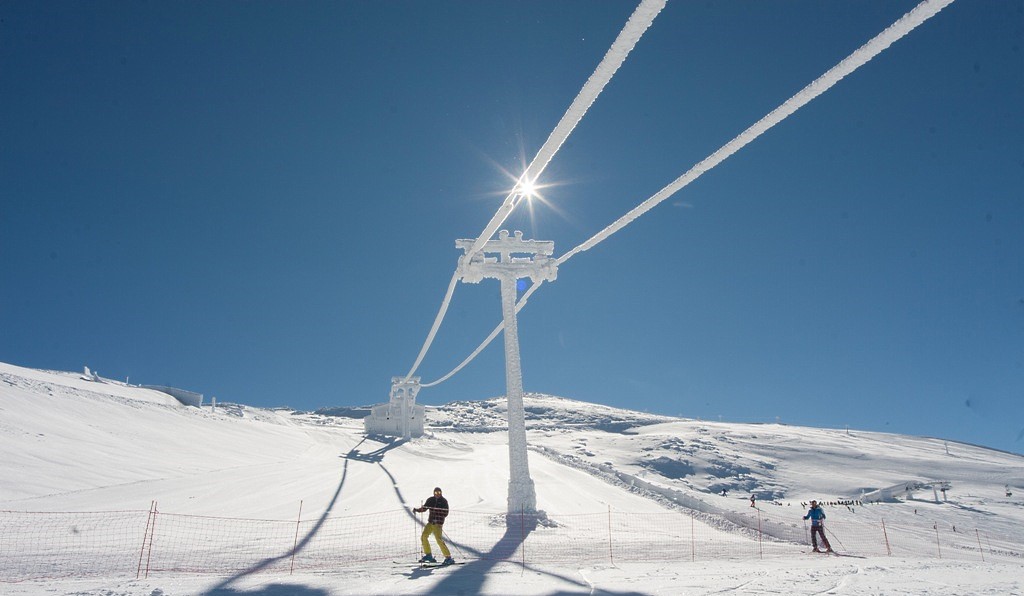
point(437, 489)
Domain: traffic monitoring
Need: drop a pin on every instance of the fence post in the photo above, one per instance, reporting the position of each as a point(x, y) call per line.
point(611, 556)
point(152, 537)
point(760, 546)
point(693, 541)
point(522, 533)
point(888, 549)
point(935, 526)
point(978, 535)
point(145, 536)
point(295, 544)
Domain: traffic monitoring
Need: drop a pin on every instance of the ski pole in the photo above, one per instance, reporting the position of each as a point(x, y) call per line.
point(419, 545)
point(833, 534)
point(452, 542)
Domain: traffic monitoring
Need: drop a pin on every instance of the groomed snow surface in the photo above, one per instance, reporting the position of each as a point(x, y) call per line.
point(117, 490)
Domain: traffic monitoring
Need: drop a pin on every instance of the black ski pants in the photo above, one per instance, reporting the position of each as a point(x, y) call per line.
point(818, 530)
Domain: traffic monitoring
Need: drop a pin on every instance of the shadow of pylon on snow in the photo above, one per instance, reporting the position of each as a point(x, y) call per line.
point(223, 588)
point(376, 456)
point(470, 578)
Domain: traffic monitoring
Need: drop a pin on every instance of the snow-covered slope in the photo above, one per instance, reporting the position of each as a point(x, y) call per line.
point(773, 462)
point(69, 444)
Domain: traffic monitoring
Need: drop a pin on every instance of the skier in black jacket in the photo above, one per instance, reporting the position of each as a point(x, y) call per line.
point(438, 507)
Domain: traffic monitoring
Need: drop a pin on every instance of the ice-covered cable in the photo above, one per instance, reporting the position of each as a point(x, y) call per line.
point(627, 39)
point(861, 56)
point(858, 58)
point(519, 306)
point(437, 324)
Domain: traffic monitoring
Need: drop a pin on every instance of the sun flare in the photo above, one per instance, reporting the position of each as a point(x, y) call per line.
point(527, 188)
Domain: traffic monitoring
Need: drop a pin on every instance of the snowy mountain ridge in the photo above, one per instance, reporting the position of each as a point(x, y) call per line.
point(73, 445)
point(769, 461)
point(744, 458)
point(541, 412)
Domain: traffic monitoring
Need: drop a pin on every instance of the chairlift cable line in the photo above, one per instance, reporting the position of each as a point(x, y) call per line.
point(638, 23)
point(876, 45)
point(858, 58)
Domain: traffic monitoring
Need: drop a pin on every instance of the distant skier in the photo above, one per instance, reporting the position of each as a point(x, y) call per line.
point(438, 507)
point(817, 517)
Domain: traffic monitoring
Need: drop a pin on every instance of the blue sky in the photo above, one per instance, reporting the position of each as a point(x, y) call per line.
point(259, 201)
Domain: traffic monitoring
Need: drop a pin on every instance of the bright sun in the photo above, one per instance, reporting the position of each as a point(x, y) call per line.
point(527, 189)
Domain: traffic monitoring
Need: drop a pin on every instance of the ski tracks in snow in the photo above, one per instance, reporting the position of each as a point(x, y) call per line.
point(842, 583)
point(586, 579)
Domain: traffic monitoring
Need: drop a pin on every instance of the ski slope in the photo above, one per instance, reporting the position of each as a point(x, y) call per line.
point(71, 445)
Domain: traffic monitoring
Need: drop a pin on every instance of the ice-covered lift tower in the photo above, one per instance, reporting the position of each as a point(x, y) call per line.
point(508, 260)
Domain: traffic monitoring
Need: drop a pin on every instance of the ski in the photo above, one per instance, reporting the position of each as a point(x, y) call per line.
point(425, 565)
point(833, 553)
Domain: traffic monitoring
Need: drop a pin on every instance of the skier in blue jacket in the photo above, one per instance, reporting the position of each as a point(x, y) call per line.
point(817, 517)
